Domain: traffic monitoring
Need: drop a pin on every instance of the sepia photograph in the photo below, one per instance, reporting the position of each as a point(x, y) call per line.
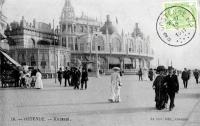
point(99, 63)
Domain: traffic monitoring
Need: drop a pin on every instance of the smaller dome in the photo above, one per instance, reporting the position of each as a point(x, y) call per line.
point(108, 26)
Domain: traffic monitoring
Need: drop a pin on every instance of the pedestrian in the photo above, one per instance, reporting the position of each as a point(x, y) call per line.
point(185, 77)
point(84, 78)
point(140, 74)
point(172, 86)
point(72, 73)
point(196, 75)
point(60, 76)
point(160, 88)
point(115, 85)
point(38, 82)
point(66, 76)
point(76, 81)
point(22, 79)
point(150, 74)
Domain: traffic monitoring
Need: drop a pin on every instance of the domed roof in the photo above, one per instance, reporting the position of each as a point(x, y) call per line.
point(108, 27)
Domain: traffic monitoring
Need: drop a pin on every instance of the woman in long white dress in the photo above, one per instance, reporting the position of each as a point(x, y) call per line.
point(38, 82)
point(115, 86)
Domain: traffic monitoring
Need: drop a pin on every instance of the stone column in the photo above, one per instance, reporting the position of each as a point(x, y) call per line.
point(107, 62)
point(133, 63)
point(137, 63)
point(121, 63)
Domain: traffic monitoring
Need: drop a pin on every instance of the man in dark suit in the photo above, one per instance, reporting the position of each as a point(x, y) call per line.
point(185, 77)
point(66, 76)
point(140, 74)
point(196, 75)
point(172, 86)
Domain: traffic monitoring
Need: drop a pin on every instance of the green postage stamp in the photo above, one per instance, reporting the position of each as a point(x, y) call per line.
point(180, 15)
point(177, 23)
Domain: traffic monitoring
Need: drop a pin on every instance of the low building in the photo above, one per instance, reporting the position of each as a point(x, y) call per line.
point(37, 44)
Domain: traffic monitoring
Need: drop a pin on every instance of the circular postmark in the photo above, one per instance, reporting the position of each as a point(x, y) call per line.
point(176, 26)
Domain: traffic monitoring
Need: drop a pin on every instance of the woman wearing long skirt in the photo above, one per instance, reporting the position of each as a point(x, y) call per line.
point(115, 86)
point(161, 96)
point(38, 82)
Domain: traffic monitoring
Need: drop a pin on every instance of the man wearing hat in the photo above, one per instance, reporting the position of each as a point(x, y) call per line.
point(172, 86)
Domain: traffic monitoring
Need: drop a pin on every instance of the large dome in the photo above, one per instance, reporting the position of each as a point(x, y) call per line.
point(108, 26)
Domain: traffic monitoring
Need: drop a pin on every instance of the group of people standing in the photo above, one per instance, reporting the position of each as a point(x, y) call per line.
point(74, 77)
point(145, 74)
point(28, 78)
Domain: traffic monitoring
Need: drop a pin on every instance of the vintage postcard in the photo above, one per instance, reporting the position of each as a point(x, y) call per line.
point(99, 63)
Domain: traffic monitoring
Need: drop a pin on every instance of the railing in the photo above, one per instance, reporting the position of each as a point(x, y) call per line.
point(39, 47)
point(108, 52)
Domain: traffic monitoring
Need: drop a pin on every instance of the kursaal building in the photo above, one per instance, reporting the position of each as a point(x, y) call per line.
point(78, 41)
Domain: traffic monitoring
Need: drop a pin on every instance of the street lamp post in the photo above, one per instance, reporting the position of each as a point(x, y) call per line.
point(54, 52)
point(97, 66)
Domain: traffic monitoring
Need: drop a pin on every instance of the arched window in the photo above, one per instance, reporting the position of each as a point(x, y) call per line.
point(116, 45)
point(98, 41)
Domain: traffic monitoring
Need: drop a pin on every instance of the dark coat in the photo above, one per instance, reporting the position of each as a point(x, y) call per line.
point(196, 74)
point(84, 76)
point(172, 83)
point(140, 72)
point(60, 74)
point(161, 96)
point(185, 75)
point(66, 74)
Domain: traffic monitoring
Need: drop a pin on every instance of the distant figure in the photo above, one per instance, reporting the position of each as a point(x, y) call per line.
point(66, 76)
point(196, 75)
point(22, 79)
point(84, 78)
point(150, 74)
point(160, 88)
point(60, 76)
point(76, 81)
point(185, 77)
point(115, 85)
point(172, 86)
point(121, 73)
point(140, 74)
point(38, 82)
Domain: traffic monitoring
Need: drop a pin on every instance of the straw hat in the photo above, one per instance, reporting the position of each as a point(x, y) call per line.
point(116, 68)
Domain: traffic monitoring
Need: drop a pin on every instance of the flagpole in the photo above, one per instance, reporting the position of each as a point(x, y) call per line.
point(54, 51)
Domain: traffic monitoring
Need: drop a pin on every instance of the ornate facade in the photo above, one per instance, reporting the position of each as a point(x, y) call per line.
point(103, 45)
point(36, 44)
point(78, 40)
point(3, 43)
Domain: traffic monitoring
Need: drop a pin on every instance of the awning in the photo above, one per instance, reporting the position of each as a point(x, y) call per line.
point(10, 59)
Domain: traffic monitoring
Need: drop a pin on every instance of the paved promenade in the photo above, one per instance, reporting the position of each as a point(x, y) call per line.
point(63, 106)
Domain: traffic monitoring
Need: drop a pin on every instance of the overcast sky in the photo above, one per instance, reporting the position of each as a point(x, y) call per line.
point(128, 12)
